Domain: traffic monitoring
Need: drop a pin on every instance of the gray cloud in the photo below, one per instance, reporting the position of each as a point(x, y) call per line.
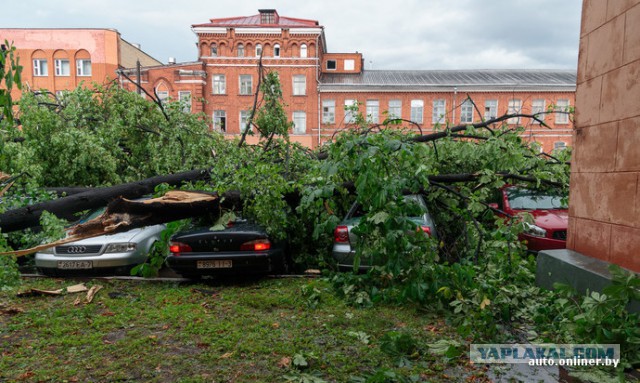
point(406, 34)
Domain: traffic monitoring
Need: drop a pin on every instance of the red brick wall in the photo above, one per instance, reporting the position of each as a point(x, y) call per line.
point(604, 206)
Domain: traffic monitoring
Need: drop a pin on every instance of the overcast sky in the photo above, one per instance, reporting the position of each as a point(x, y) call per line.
point(396, 34)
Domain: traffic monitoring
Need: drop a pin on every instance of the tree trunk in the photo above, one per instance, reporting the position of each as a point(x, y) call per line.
point(66, 207)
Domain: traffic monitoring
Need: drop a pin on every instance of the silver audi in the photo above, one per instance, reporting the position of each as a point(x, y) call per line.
point(107, 254)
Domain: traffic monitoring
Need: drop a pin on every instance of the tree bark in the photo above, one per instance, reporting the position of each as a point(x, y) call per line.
point(66, 207)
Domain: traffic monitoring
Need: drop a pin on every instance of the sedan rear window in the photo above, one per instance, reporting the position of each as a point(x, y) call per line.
point(525, 199)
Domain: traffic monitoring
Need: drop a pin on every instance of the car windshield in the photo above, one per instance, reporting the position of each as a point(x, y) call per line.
point(525, 199)
point(91, 215)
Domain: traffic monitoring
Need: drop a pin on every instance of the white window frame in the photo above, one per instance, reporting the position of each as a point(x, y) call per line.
point(81, 69)
point(417, 111)
point(163, 95)
point(240, 50)
point(220, 120)
point(349, 64)
point(303, 51)
point(213, 50)
point(490, 109)
point(244, 117)
point(395, 109)
point(299, 85)
point(328, 111)
point(184, 97)
point(559, 145)
point(466, 112)
point(439, 111)
point(245, 83)
point(61, 69)
point(299, 122)
point(514, 107)
point(276, 50)
point(537, 107)
point(258, 50)
point(349, 116)
point(373, 111)
point(562, 105)
point(40, 70)
point(219, 84)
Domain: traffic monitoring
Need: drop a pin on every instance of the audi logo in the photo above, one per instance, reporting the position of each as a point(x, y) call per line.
point(76, 249)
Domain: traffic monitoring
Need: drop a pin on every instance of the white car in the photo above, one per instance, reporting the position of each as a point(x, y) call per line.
point(116, 253)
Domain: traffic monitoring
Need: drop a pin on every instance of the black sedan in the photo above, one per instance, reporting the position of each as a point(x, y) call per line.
point(241, 248)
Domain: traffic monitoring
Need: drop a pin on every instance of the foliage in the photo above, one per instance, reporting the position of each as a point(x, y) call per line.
point(594, 317)
point(10, 75)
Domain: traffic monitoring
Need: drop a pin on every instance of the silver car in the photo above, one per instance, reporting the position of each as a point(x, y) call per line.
point(116, 253)
point(344, 240)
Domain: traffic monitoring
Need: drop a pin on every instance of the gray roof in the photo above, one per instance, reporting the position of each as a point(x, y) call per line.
point(446, 80)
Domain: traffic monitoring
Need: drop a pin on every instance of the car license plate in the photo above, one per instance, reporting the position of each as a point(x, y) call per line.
point(217, 264)
point(75, 265)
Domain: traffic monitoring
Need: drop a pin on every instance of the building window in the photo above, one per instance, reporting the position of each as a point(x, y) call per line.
point(83, 67)
point(559, 145)
point(515, 107)
point(490, 109)
point(395, 109)
point(537, 107)
point(219, 84)
point(303, 50)
point(62, 67)
point(331, 65)
point(184, 96)
point(417, 110)
point(40, 67)
point(299, 122)
point(299, 85)
point(276, 50)
point(244, 118)
point(350, 110)
point(163, 95)
point(466, 112)
point(349, 64)
point(562, 106)
point(214, 50)
point(246, 84)
point(373, 111)
point(328, 112)
point(219, 120)
point(258, 50)
point(439, 107)
point(267, 18)
point(240, 50)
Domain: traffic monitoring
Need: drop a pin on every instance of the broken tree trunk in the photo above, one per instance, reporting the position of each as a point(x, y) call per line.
point(123, 215)
point(66, 207)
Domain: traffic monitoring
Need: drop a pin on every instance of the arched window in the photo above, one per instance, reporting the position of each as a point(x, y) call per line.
point(214, 50)
point(240, 50)
point(83, 63)
point(258, 50)
point(303, 50)
point(276, 50)
point(40, 64)
point(61, 63)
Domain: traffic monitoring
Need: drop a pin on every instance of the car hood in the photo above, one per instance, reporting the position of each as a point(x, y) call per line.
point(550, 219)
point(127, 236)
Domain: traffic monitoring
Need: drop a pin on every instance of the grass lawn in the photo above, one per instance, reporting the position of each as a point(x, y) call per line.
point(268, 330)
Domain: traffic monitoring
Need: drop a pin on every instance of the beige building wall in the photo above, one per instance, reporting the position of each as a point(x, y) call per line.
point(604, 211)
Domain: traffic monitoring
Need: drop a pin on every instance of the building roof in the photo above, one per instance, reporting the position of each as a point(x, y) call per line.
point(445, 80)
point(254, 21)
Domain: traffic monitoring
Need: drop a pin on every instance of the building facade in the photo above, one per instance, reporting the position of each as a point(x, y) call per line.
point(63, 59)
point(317, 85)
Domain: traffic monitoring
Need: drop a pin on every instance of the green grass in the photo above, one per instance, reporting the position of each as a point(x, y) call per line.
point(251, 331)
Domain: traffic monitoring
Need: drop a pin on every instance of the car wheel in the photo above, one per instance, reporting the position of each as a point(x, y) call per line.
point(283, 265)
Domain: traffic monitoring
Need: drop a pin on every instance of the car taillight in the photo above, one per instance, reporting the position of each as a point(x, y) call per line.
point(341, 234)
point(178, 247)
point(426, 230)
point(257, 245)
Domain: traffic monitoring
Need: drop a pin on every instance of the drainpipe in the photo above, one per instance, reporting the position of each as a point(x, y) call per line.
point(138, 74)
point(455, 93)
point(319, 108)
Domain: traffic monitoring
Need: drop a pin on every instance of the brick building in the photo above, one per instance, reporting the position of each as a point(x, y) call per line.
point(62, 59)
point(318, 84)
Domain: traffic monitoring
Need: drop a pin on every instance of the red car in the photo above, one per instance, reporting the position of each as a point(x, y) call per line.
point(550, 213)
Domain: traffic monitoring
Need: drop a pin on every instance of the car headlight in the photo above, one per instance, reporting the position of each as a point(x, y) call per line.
point(126, 247)
point(48, 250)
point(535, 231)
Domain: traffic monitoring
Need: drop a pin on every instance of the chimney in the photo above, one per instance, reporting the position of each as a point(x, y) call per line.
point(138, 46)
point(172, 60)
